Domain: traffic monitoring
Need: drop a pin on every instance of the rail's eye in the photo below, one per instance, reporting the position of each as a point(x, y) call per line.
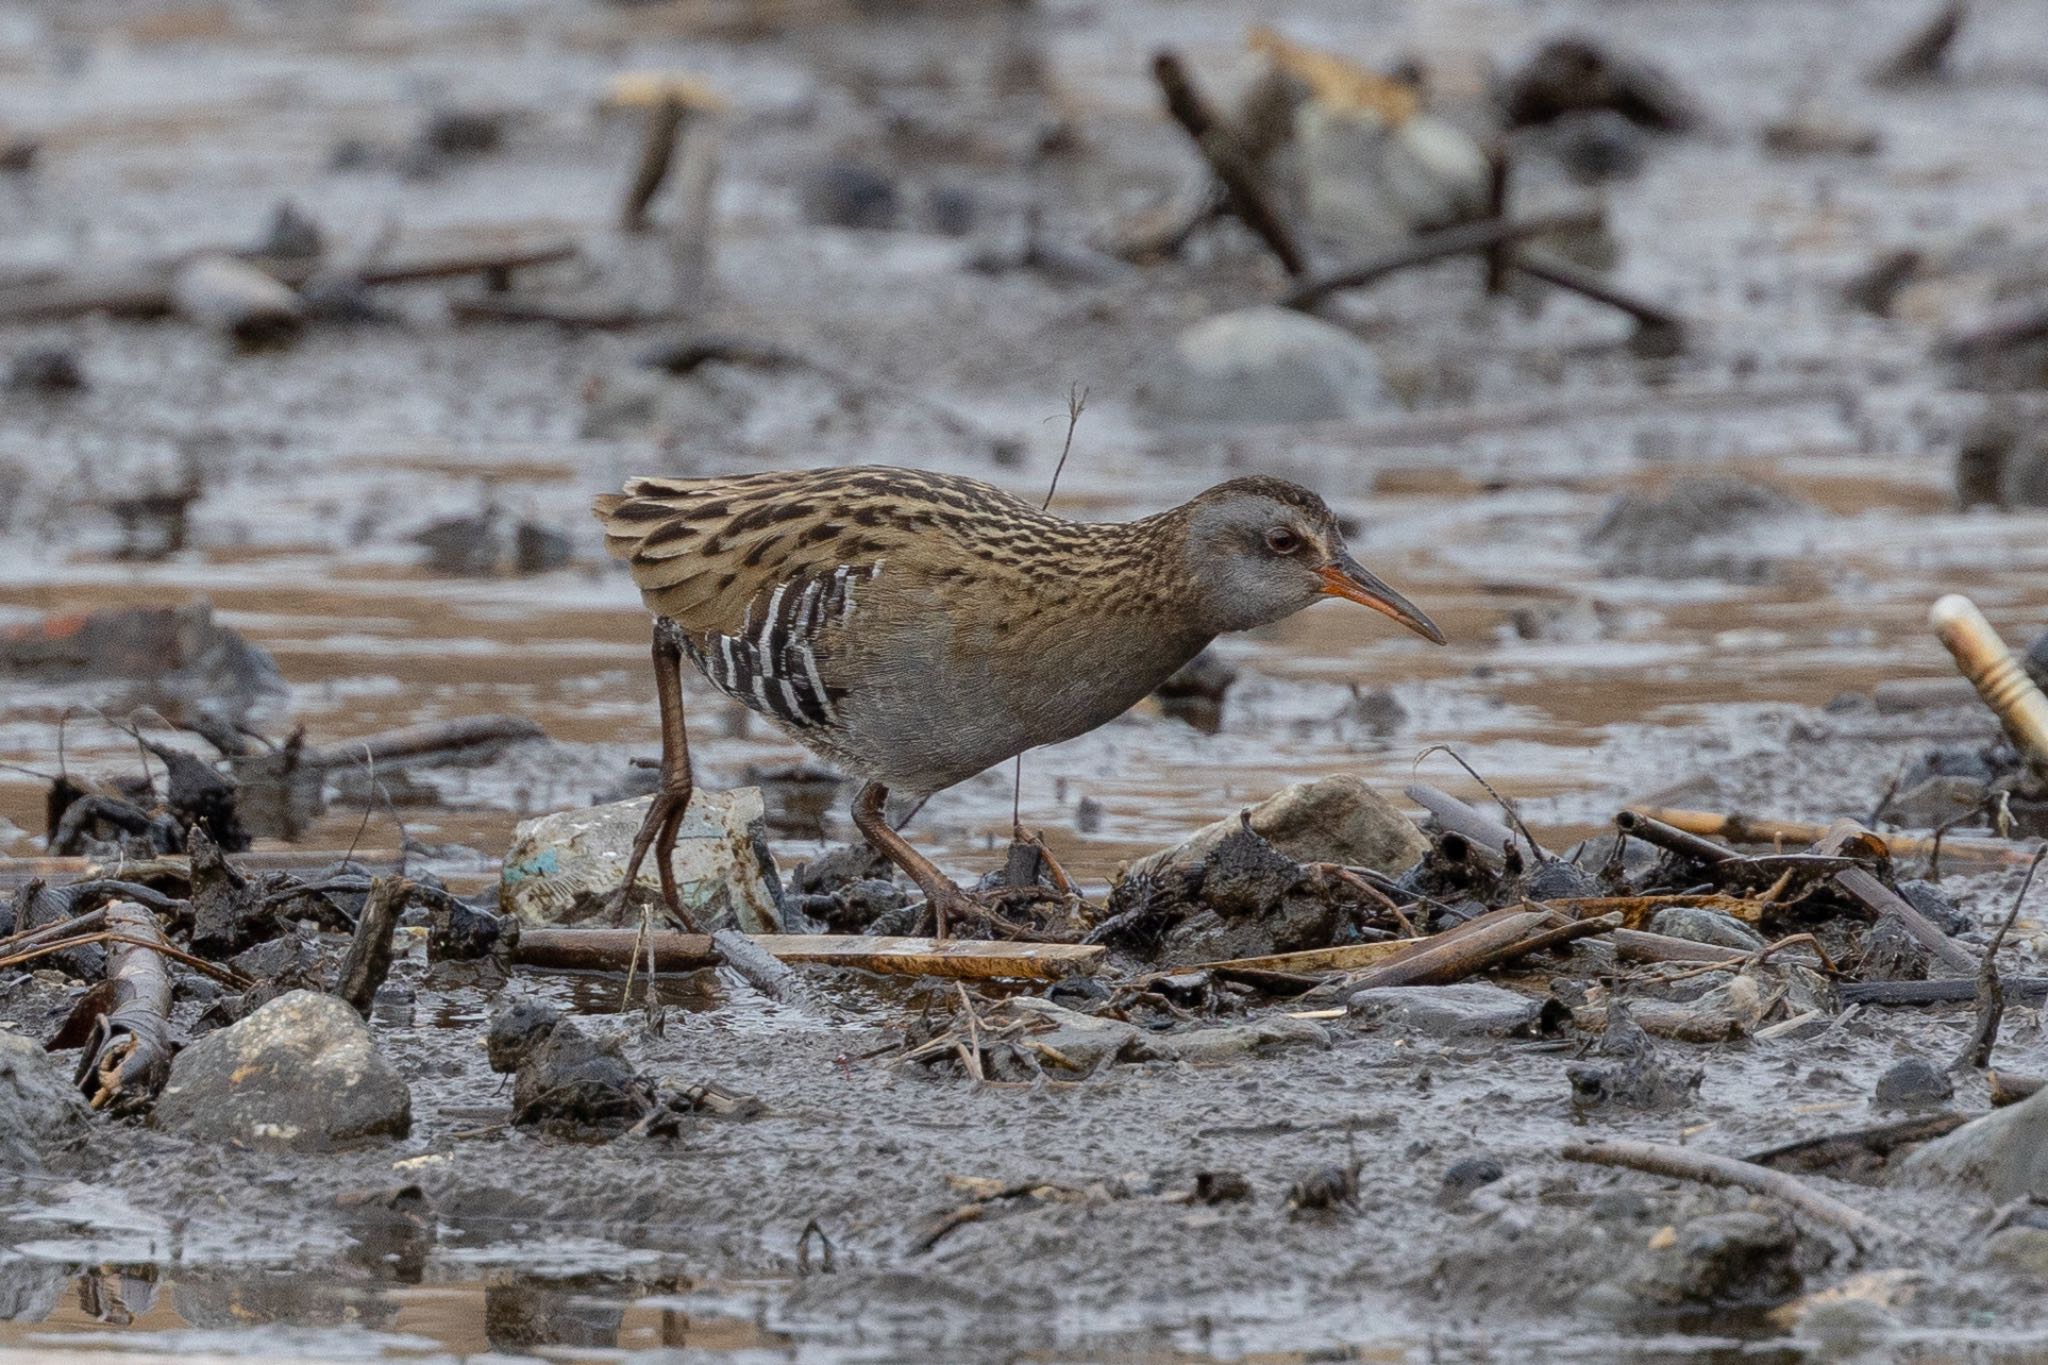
point(1282, 541)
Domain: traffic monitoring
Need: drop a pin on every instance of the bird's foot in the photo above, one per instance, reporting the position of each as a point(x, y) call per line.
point(945, 905)
point(657, 836)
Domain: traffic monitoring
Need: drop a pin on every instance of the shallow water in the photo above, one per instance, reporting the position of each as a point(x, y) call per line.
point(169, 125)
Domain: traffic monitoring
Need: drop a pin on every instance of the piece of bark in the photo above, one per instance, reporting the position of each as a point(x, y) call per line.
point(1442, 959)
point(369, 951)
point(1746, 829)
point(608, 950)
point(1635, 945)
point(128, 1056)
point(1832, 1151)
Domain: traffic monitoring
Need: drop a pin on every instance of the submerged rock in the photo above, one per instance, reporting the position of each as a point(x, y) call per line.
point(1267, 365)
point(41, 1112)
point(301, 1073)
point(1468, 1009)
point(1725, 1259)
point(1914, 1083)
point(2002, 1156)
point(566, 867)
point(1631, 1074)
point(570, 1079)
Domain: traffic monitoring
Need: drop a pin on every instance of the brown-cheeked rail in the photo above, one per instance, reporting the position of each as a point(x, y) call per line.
point(915, 629)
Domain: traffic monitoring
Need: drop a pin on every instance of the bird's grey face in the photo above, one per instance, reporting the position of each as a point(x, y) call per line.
point(1259, 559)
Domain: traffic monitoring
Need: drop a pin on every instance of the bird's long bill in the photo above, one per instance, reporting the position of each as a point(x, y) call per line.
point(1349, 579)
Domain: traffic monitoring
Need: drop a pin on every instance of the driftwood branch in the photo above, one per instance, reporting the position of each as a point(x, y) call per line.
point(1683, 1163)
point(1487, 235)
point(128, 1056)
point(1749, 829)
point(1232, 166)
point(369, 952)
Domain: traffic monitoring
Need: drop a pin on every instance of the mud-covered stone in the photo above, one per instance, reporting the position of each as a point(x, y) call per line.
point(1699, 925)
point(516, 1030)
point(566, 867)
point(1631, 1073)
point(2001, 1157)
point(1337, 819)
point(1697, 527)
point(301, 1073)
point(40, 1110)
point(570, 1079)
point(1268, 364)
point(1468, 1009)
point(1727, 1260)
point(1914, 1083)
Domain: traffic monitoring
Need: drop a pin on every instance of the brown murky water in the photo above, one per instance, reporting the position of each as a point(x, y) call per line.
point(172, 125)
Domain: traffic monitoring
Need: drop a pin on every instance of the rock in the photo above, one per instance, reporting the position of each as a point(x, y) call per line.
point(1725, 1259)
point(1195, 691)
point(849, 195)
point(1226, 1041)
point(1268, 365)
point(1697, 527)
point(47, 369)
point(240, 301)
point(1336, 819)
point(1815, 132)
point(2002, 1156)
point(292, 234)
point(1697, 925)
point(2023, 1250)
point(539, 549)
point(1371, 184)
point(2003, 460)
point(172, 658)
point(41, 1112)
point(1468, 1174)
point(565, 867)
point(2036, 660)
point(1576, 75)
point(300, 1073)
point(1633, 1075)
point(465, 132)
point(462, 547)
point(569, 1079)
point(1469, 1009)
point(1936, 802)
point(517, 1030)
point(1595, 145)
point(1914, 1083)
point(1087, 1041)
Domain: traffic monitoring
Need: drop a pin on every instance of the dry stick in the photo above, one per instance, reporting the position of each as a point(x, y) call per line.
point(128, 1056)
point(1746, 829)
point(608, 950)
point(1880, 900)
point(1921, 56)
point(657, 149)
point(1487, 835)
point(1488, 235)
point(1228, 161)
point(1500, 255)
point(1976, 1053)
point(1077, 401)
point(973, 1057)
point(369, 952)
point(1514, 816)
point(1551, 270)
point(1455, 954)
point(1671, 839)
point(1682, 1163)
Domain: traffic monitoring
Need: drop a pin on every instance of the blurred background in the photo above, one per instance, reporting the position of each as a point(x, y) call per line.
point(322, 323)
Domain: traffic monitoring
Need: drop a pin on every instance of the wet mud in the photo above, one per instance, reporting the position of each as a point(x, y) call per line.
point(1584, 670)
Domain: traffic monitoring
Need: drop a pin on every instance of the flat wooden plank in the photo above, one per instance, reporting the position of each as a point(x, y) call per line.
point(974, 959)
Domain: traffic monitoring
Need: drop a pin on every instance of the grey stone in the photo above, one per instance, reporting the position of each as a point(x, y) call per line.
point(566, 867)
point(1698, 925)
point(1466, 1010)
point(2002, 1156)
point(41, 1113)
point(1267, 365)
point(1086, 1041)
point(1699, 526)
point(1914, 1083)
point(2023, 1250)
point(300, 1073)
point(1335, 820)
point(1725, 1258)
point(1936, 802)
point(846, 194)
